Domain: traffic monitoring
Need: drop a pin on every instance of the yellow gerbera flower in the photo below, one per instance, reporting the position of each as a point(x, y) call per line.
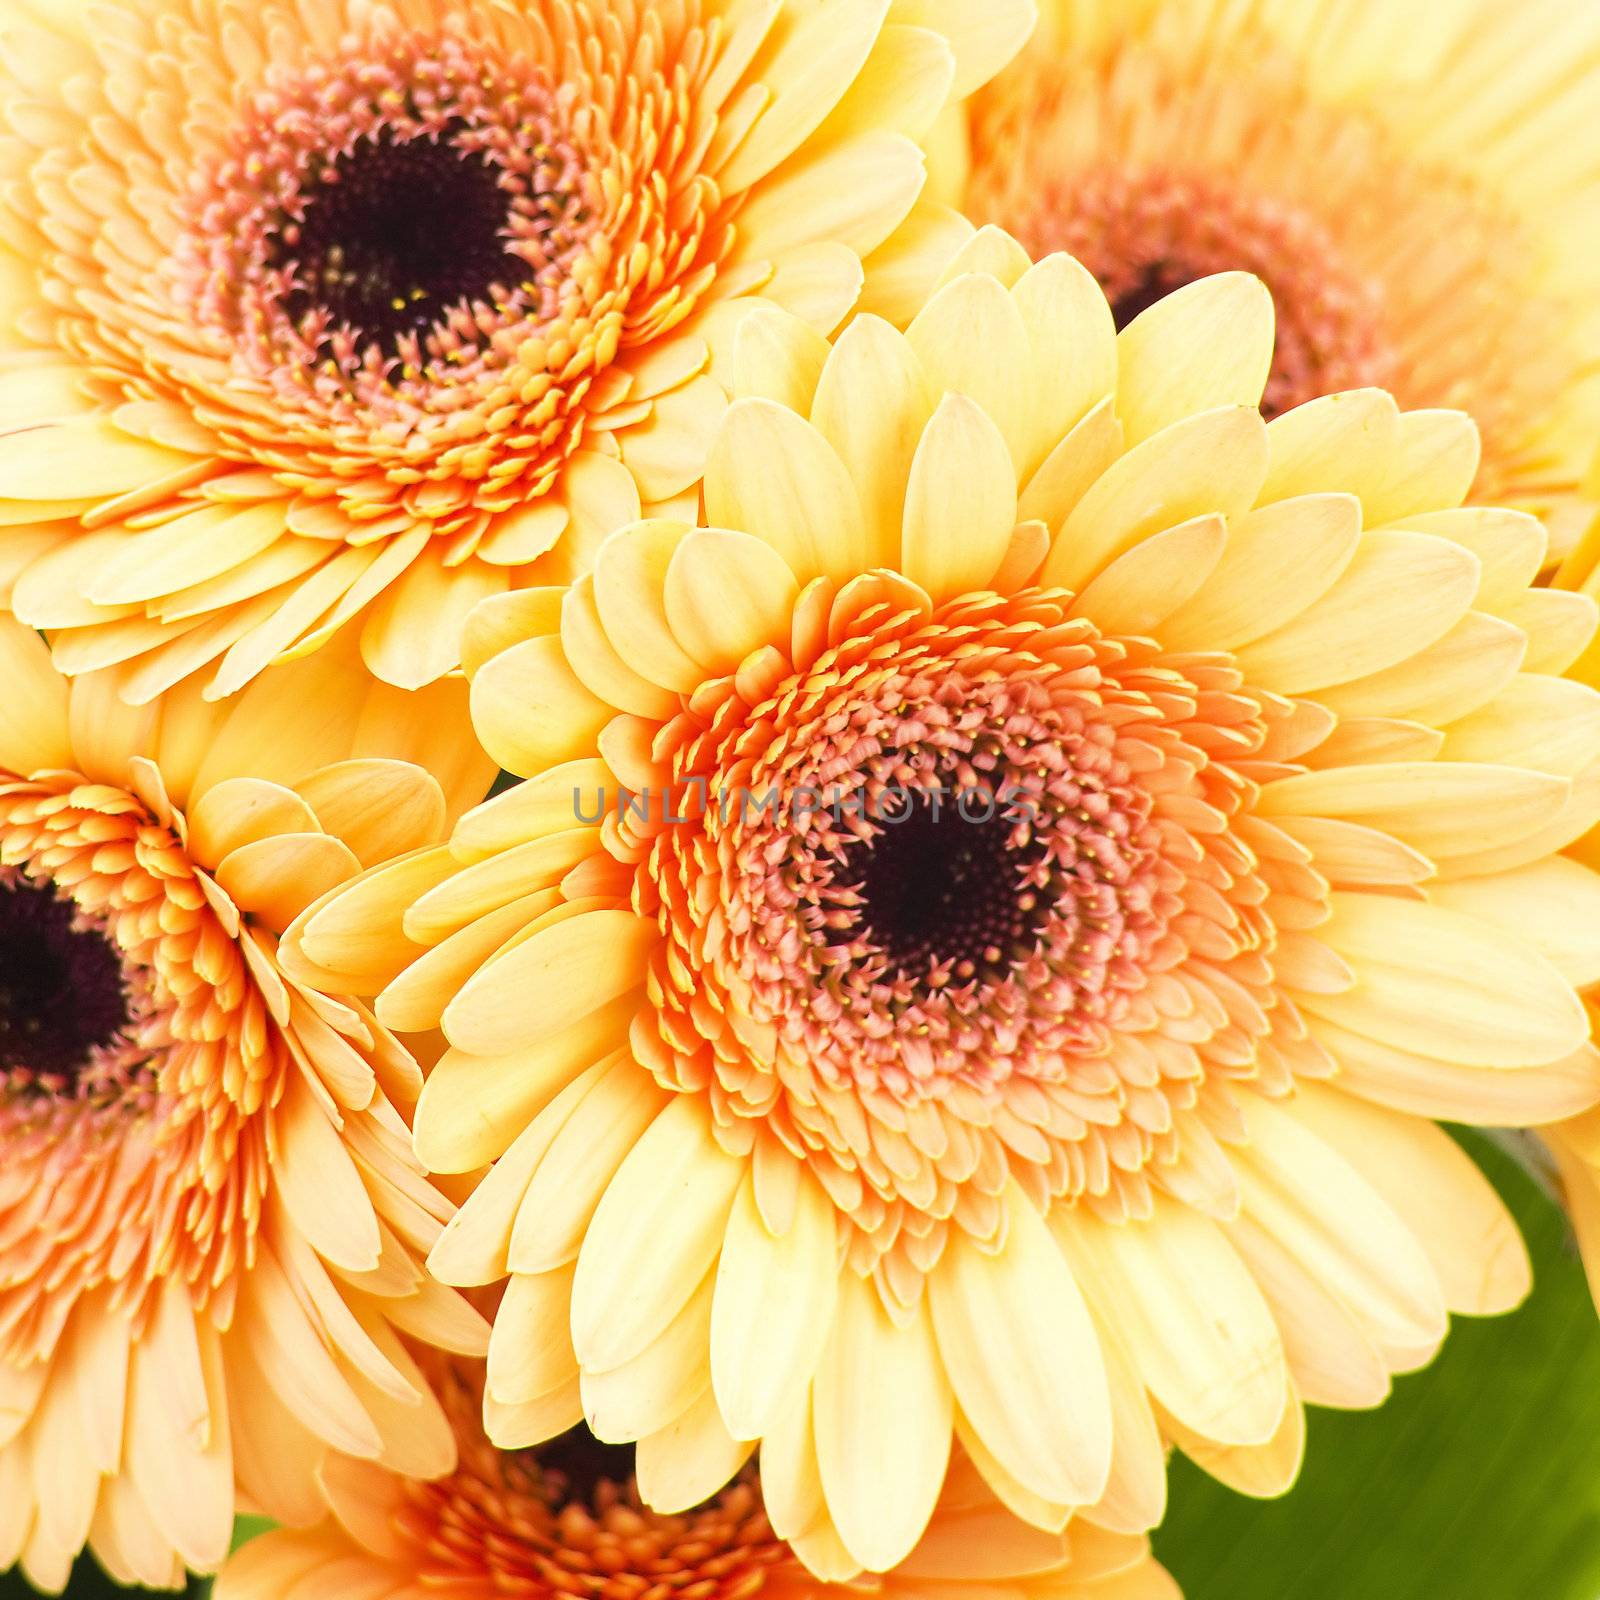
point(211, 1223)
point(1421, 196)
point(944, 971)
point(328, 313)
point(569, 1517)
point(1574, 1145)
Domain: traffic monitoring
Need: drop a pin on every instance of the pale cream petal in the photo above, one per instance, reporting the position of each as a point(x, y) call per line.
point(531, 711)
point(1023, 1359)
point(1264, 1470)
point(726, 595)
point(1143, 586)
point(1479, 1096)
point(1435, 1189)
point(872, 404)
point(775, 1298)
point(661, 1383)
point(560, 975)
point(1400, 593)
point(1213, 462)
point(642, 1259)
point(774, 475)
point(690, 1460)
point(882, 1413)
point(1315, 1204)
point(530, 1350)
point(1553, 905)
point(961, 502)
point(1444, 984)
point(1190, 1315)
point(1279, 559)
point(1331, 1358)
point(1549, 724)
point(1205, 345)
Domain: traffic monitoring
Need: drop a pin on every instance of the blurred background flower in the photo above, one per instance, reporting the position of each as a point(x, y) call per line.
point(1418, 187)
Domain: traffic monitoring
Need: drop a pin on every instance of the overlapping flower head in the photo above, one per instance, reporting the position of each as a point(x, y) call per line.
point(836, 1111)
point(1574, 1145)
point(1423, 216)
point(567, 1518)
point(348, 313)
point(212, 1226)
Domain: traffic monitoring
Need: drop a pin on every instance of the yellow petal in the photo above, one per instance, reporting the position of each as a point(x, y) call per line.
point(630, 577)
point(1315, 1204)
point(1210, 463)
point(1440, 808)
point(1072, 346)
point(379, 809)
point(775, 1298)
point(856, 193)
point(726, 595)
point(1024, 1361)
point(806, 64)
point(882, 1413)
point(551, 981)
point(1400, 593)
point(1435, 1189)
point(1444, 984)
point(654, 1237)
point(530, 710)
point(1191, 1316)
point(961, 502)
point(473, 1107)
point(1205, 345)
point(1279, 559)
point(971, 341)
point(984, 37)
point(1136, 593)
point(872, 403)
point(573, 1174)
point(772, 474)
point(275, 879)
point(33, 710)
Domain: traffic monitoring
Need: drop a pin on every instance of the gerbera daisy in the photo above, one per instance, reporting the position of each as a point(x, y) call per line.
point(1421, 198)
point(328, 313)
point(1574, 1146)
point(212, 1227)
point(568, 1518)
point(970, 907)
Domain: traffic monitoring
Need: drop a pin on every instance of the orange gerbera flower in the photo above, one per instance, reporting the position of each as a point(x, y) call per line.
point(1039, 824)
point(1424, 216)
point(211, 1222)
point(568, 1518)
point(352, 312)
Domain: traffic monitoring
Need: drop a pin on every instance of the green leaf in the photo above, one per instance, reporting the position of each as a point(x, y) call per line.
point(1479, 1478)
